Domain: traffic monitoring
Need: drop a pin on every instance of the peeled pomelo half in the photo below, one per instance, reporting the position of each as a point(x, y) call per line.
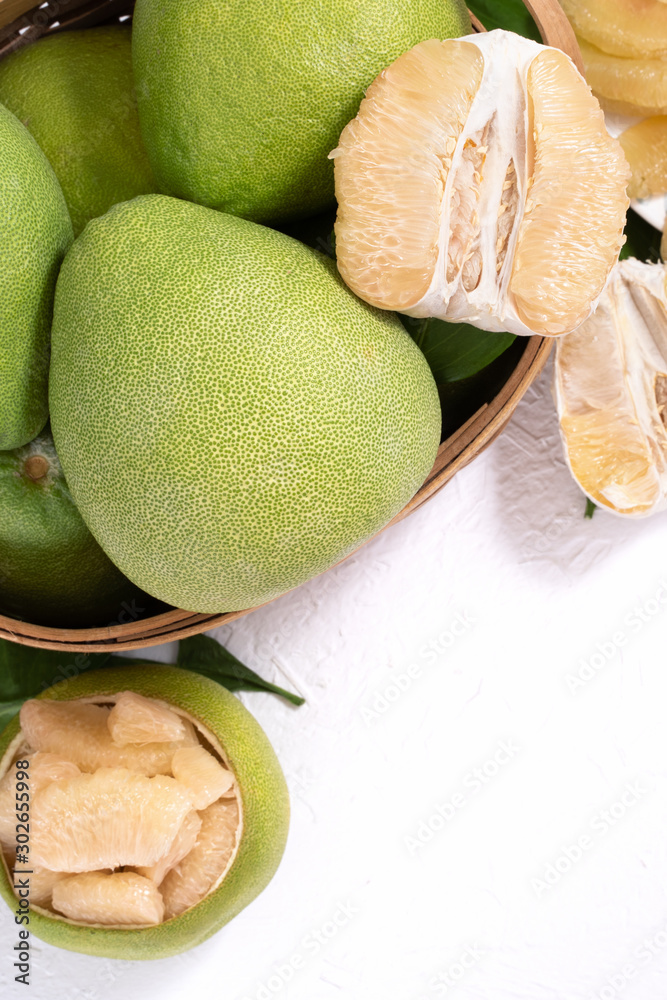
point(478, 184)
point(106, 817)
point(620, 27)
point(610, 387)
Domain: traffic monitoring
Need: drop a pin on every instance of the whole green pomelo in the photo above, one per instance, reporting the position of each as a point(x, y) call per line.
point(241, 101)
point(264, 803)
point(35, 232)
point(231, 419)
point(75, 93)
point(52, 571)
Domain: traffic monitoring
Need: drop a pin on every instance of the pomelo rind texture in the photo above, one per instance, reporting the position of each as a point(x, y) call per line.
point(35, 232)
point(230, 418)
point(265, 810)
point(54, 572)
point(240, 102)
point(75, 92)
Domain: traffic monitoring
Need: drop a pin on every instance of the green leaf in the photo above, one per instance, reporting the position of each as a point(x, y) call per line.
point(25, 671)
point(643, 239)
point(590, 508)
point(204, 655)
point(509, 14)
point(455, 351)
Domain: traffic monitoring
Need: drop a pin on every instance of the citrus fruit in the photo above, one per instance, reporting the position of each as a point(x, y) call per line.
point(611, 392)
point(106, 819)
point(135, 719)
point(74, 92)
point(80, 732)
point(201, 774)
point(182, 844)
point(645, 148)
point(231, 419)
point(626, 86)
point(240, 101)
point(35, 232)
point(42, 881)
point(621, 27)
point(195, 874)
point(44, 769)
point(86, 830)
point(52, 571)
point(115, 898)
point(478, 184)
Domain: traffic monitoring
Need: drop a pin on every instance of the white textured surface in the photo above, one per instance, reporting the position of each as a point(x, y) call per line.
point(536, 590)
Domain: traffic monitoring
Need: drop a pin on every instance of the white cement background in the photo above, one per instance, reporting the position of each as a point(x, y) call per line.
point(506, 549)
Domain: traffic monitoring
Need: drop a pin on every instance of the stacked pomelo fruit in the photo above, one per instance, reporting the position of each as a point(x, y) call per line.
point(154, 812)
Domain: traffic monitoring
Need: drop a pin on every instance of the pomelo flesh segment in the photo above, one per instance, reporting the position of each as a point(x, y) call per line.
point(645, 148)
point(201, 869)
point(626, 86)
point(482, 168)
point(183, 843)
point(135, 719)
point(563, 253)
point(121, 898)
point(42, 770)
point(42, 880)
point(201, 774)
point(621, 27)
point(108, 819)
point(414, 114)
point(79, 732)
point(610, 386)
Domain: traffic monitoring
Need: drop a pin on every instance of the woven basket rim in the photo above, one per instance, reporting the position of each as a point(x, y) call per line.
point(22, 22)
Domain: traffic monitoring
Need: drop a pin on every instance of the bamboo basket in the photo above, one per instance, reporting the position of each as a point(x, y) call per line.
point(22, 22)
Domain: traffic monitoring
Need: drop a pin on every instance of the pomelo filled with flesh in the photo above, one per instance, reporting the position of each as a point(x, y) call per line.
point(125, 864)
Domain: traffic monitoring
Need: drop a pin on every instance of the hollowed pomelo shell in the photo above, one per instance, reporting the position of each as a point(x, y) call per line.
point(262, 794)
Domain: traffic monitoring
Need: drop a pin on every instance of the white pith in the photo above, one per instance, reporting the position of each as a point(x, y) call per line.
point(19, 745)
point(631, 323)
point(490, 305)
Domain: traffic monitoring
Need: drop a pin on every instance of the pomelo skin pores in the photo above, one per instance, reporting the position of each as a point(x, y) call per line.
point(35, 233)
point(230, 417)
point(240, 103)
